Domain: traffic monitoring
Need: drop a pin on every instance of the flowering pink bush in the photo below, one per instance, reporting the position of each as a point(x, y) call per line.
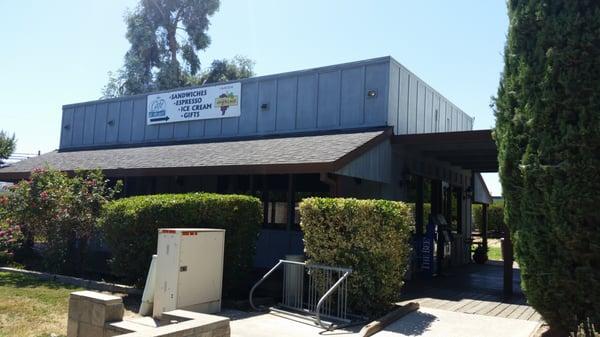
point(60, 210)
point(11, 239)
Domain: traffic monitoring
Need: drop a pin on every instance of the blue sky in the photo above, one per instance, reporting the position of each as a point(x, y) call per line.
point(59, 52)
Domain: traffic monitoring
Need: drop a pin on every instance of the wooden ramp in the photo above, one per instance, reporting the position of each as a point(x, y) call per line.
point(471, 289)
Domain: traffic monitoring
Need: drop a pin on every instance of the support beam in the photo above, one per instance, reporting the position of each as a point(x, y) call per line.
point(419, 223)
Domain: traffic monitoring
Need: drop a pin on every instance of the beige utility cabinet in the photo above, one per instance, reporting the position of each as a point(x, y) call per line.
point(189, 270)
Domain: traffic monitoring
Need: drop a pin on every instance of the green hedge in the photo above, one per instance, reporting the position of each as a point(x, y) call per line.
point(370, 236)
point(130, 226)
point(495, 217)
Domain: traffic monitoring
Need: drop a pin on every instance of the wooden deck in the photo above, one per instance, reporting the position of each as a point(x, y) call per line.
point(471, 289)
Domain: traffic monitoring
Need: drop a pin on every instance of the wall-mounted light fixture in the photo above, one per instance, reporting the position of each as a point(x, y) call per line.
point(264, 106)
point(67, 127)
point(111, 122)
point(372, 93)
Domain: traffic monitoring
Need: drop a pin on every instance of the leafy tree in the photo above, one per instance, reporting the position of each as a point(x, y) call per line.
point(7, 145)
point(165, 37)
point(548, 136)
point(226, 70)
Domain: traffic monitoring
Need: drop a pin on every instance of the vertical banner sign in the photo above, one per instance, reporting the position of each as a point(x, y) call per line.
point(220, 101)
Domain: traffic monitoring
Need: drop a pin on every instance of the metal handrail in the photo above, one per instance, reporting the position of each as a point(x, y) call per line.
point(328, 293)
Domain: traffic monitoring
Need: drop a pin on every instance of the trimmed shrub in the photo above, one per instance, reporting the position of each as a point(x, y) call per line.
point(131, 231)
point(370, 236)
point(548, 136)
point(495, 217)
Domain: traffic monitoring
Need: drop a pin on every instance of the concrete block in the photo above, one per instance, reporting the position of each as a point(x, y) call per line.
point(114, 312)
point(89, 330)
point(72, 327)
point(74, 311)
point(96, 297)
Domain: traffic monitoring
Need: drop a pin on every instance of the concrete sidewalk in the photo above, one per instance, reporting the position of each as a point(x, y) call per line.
point(426, 322)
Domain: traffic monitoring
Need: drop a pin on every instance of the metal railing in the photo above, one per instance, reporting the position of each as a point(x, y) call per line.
point(317, 290)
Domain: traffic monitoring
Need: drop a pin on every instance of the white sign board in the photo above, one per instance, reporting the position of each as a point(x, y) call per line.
point(219, 101)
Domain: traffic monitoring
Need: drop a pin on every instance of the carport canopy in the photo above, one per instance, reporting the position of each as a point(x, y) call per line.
point(471, 150)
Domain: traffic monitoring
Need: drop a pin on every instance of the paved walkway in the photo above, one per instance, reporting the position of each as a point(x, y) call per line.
point(429, 322)
point(467, 302)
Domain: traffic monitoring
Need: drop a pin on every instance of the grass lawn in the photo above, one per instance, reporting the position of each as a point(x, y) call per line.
point(32, 308)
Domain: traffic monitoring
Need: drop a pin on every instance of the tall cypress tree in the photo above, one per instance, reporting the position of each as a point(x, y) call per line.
point(548, 136)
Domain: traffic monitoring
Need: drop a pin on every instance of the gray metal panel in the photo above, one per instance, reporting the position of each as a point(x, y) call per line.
point(249, 110)
point(286, 103)
point(436, 113)
point(428, 111)
point(307, 102)
point(377, 78)
point(66, 131)
point(420, 118)
point(100, 123)
point(353, 97)
point(181, 130)
point(375, 164)
point(138, 126)
point(125, 120)
point(328, 110)
point(229, 126)
point(196, 129)
point(412, 104)
point(78, 124)
point(394, 96)
point(88, 124)
point(112, 124)
point(212, 128)
point(267, 94)
point(403, 102)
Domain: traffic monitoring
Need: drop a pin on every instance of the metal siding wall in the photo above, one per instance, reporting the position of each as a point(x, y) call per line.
point(420, 117)
point(376, 78)
point(436, 113)
point(352, 98)
point(286, 104)
point(88, 124)
point(329, 98)
point(125, 120)
point(412, 104)
point(393, 103)
point(428, 111)
point(78, 124)
point(138, 129)
point(403, 102)
point(249, 111)
point(112, 131)
point(307, 102)
point(66, 131)
point(417, 105)
point(328, 109)
point(267, 94)
point(100, 123)
point(374, 165)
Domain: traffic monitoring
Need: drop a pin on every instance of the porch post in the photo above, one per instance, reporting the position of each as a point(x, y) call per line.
point(419, 223)
point(484, 226)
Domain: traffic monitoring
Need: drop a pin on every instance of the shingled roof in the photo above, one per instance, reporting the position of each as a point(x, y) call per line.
point(298, 154)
